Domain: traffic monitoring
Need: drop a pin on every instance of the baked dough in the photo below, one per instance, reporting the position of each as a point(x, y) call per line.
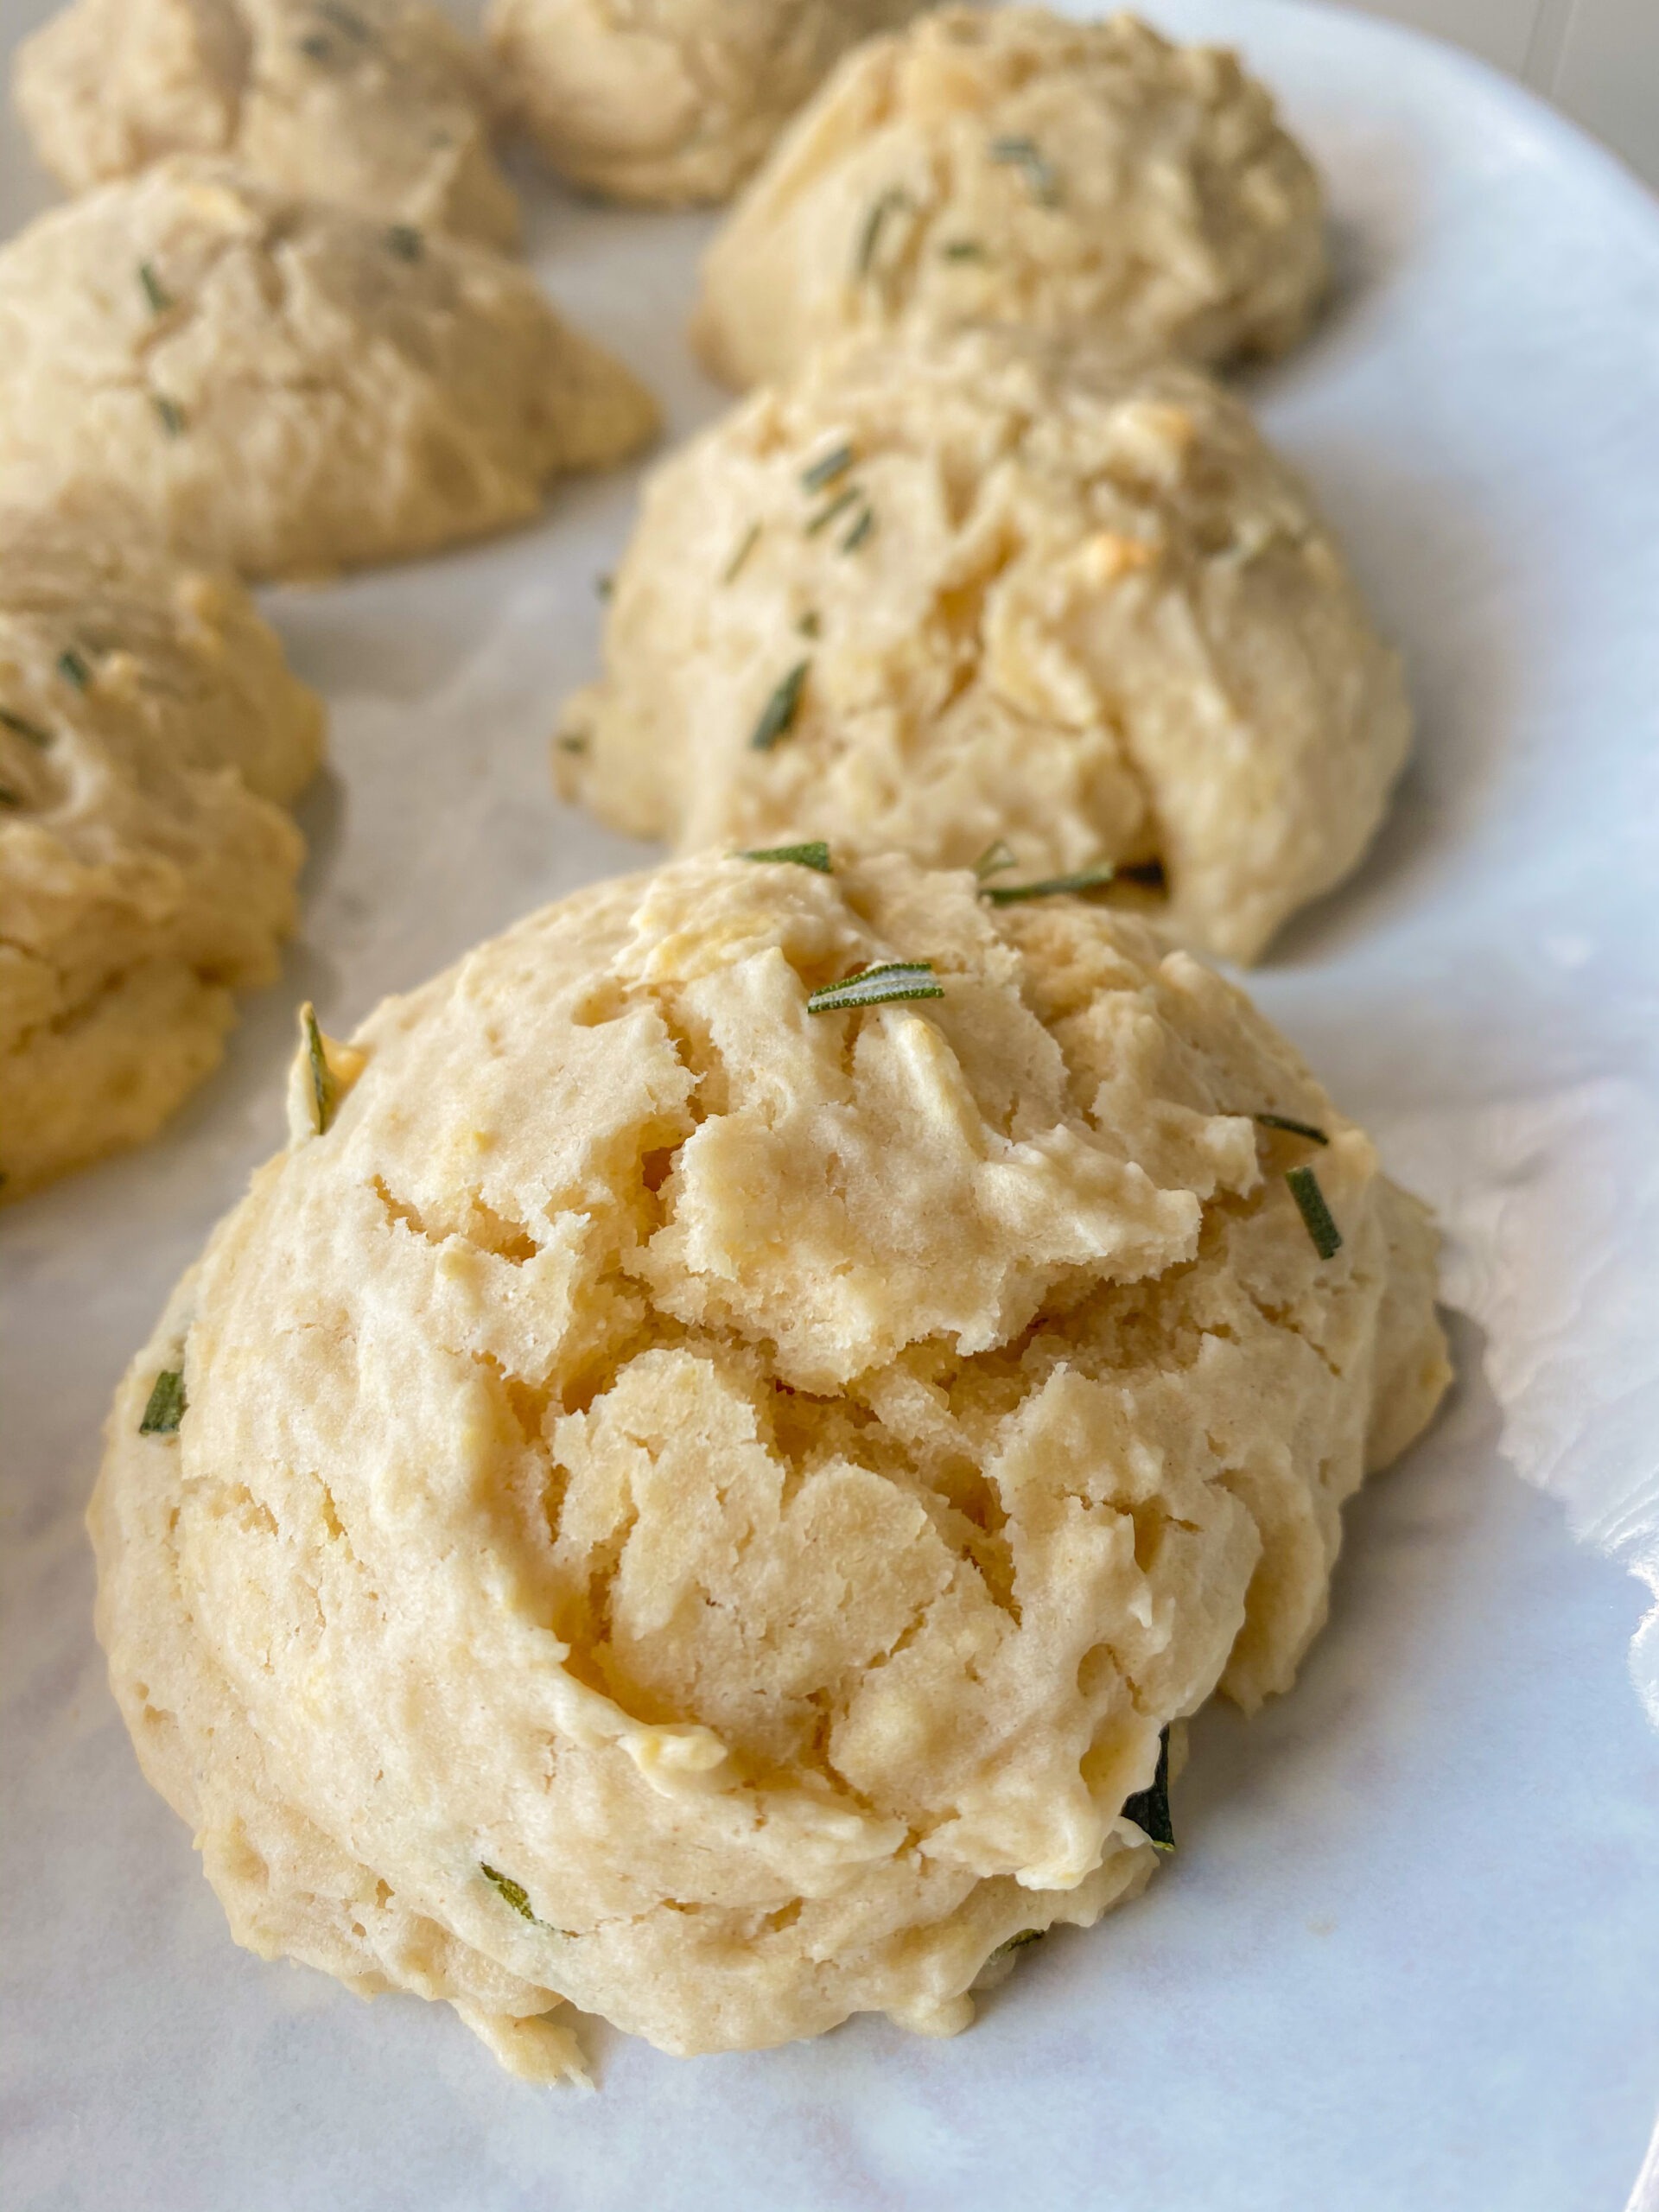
point(669, 101)
point(284, 387)
point(706, 1506)
point(379, 104)
point(1025, 166)
point(149, 733)
point(1039, 598)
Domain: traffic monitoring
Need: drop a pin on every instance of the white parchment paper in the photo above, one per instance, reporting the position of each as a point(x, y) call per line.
point(1409, 1954)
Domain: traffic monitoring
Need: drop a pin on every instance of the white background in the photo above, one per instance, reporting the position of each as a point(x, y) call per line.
point(1409, 1954)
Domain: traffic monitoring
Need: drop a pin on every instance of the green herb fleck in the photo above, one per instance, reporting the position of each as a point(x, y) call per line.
point(604, 586)
point(9, 797)
point(154, 291)
point(1018, 1942)
point(778, 715)
point(880, 986)
point(170, 414)
point(869, 237)
point(342, 19)
point(963, 250)
point(809, 626)
point(1149, 1809)
point(317, 47)
point(860, 530)
point(73, 669)
point(994, 859)
point(1025, 154)
point(1051, 886)
point(572, 740)
point(1316, 1215)
point(164, 1407)
point(847, 496)
point(815, 856)
point(32, 731)
point(751, 538)
point(325, 1087)
point(515, 1892)
point(825, 471)
point(1295, 1129)
point(406, 242)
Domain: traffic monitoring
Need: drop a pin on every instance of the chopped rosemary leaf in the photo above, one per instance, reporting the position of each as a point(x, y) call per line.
point(1018, 1942)
point(515, 1892)
point(1051, 886)
point(9, 797)
point(817, 855)
point(604, 586)
point(751, 537)
point(995, 858)
point(164, 1407)
point(342, 19)
point(1149, 1809)
point(1025, 154)
point(572, 740)
point(860, 530)
point(154, 291)
point(847, 497)
point(826, 471)
point(318, 48)
point(73, 669)
point(809, 626)
point(170, 413)
point(869, 237)
point(778, 715)
point(406, 242)
point(1296, 1128)
point(882, 985)
point(1316, 1215)
point(963, 250)
point(325, 1089)
point(32, 731)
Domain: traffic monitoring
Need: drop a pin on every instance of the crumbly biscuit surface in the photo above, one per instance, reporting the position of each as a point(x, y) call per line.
point(287, 387)
point(381, 105)
point(1018, 165)
point(703, 1508)
point(670, 101)
point(1034, 597)
point(149, 733)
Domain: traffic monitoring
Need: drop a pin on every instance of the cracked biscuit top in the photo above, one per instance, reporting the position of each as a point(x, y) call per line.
point(701, 1485)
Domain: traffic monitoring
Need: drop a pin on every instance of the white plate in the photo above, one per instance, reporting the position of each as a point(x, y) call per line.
point(1408, 1956)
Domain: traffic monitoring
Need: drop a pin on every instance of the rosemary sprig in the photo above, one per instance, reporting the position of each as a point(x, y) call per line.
point(847, 496)
point(1051, 886)
point(73, 669)
point(515, 1892)
point(1149, 1809)
point(882, 985)
point(164, 1407)
point(1316, 1214)
point(154, 291)
point(325, 1087)
point(862, 525)
point(406, 242)
point(751, 538)
point(32, 731)
point(778, 715)
point(169, 413)
point(833, 464)
point(813, 856)
point(1025, 155)
point(1295, 1129)
point(892, 201)
point(995, 858)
